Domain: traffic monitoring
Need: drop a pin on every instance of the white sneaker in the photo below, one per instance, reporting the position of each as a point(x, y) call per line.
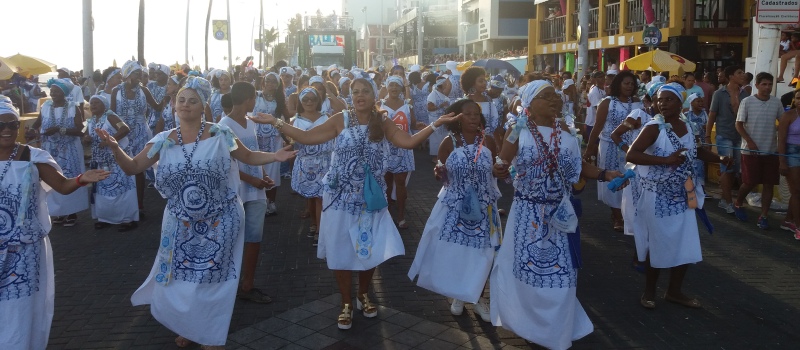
point(722, 204)
point(272, 209)
point(482, 309)
point(457, 307)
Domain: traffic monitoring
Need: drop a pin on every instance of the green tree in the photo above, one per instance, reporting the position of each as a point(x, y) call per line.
point(280, 52)
point(295, 24)
point(269, 37)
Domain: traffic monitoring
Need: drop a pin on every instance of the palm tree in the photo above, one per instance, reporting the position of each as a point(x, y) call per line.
point(269, 36)
point(280, 52)
point(295, 24)
point(141, 32)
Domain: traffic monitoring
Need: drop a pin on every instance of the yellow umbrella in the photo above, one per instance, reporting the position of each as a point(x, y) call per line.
point(6, 69)
point(464, 65)
point(28, 65)
point(659, 61)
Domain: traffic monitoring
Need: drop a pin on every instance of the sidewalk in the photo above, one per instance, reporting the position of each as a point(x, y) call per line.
point(749, 284)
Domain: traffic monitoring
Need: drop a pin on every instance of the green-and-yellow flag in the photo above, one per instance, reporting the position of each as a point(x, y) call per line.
point(220, 29)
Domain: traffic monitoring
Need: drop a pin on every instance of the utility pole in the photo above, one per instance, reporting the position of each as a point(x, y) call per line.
point(420, 35)
point(261, 34)
point(583, 43)
point(88, 39)
point(208, 23)
point(382, 44)
point(230, 54)
point(141, 33)
point(186, 39)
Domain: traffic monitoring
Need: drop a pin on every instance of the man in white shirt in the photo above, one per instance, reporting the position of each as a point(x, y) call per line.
point(596, 94)
point(251, 189)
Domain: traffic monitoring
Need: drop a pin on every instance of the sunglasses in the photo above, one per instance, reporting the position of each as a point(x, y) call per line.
point(10, 125)
point(309, 100)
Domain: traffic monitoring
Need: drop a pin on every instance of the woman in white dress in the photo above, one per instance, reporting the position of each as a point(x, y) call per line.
point(60, 126)
point(113, 199)
point(313, 161)
point(221, 81)
point(611, 112)
point(457, 247)
point(169, 120)
point(331, 104)
point(270, 100)
point(401, 160)
point(534, 279)
point(473, 82)
point(437, 103)
point(192, 285)
point(26, 257)
point(355, 220)
point(666, 227)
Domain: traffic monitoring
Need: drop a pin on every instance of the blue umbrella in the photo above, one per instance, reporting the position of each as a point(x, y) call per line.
point(498, 64)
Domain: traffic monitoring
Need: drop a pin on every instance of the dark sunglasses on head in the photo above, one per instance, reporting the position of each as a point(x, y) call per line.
point(10, 125)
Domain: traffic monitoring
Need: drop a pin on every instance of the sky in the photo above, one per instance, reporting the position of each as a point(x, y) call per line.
point(52, 29)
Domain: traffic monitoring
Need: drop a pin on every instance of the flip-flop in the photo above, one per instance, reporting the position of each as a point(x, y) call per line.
point(305, 215)
point(647, 304)
point(690, 303)
point(182, 342)
point(402, 224)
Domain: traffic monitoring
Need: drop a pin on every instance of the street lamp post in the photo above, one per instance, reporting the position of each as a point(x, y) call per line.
point(464, 26)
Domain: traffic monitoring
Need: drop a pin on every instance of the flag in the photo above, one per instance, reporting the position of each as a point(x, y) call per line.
point(220, 29)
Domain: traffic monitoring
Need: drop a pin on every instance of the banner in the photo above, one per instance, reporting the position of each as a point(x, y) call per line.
point(325, 40)
point(220, 29)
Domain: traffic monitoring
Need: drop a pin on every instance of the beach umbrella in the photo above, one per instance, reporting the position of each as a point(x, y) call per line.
point(492, 64)
point(464, 65)
point(6, 69)
point(659, 61)
point(27, 65)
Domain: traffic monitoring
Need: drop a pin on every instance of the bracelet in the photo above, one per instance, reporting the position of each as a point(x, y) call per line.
point(78, 181)
point(62, 131)
point(120, 125)
point(433, 127)
point(279, 123)
point(628, 124)
point(620, 144)
point(602, 176)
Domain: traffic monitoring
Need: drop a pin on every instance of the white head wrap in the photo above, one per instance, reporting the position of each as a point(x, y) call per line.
point(395, 79)
point(531, 90)
point(414, 68)
point(306, 91)
point(129, 67)
point(316, 79)
point(342, 81)
point(676, 89)
point(691, 98)
point(163, 68)
point(101, 98)
point(6, 107)
point(567, 83)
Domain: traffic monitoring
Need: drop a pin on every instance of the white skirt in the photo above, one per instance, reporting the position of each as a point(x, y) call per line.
point(26, 321)
point(59, 204)
point(273, 170)
point(608, 158)
point(628, 210)
point(116, 210)
point(337, 245)
point(200, 312)
point(436, 139)
point(447, 268)
point(672, 240)
point(550, 317)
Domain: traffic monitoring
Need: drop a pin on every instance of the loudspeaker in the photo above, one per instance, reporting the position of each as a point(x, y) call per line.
point(685, 46)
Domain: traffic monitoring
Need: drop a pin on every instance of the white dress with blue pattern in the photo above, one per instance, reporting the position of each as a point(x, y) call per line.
point(533, 283)
point(344, 214)
point(113, 199)
point(666, 227)
point(419, 97)
point(192, 286)
point(158, 93)
point(699, 121)
point(133, 112)
point(26, 258)
point(401, 160)
point(215, 103)
point(489, 112)
point(455, 255)
point(269, 139)
point(68, 152)
point(609, 156)
point(312, 162)
point(628, 209)
point(435, 140)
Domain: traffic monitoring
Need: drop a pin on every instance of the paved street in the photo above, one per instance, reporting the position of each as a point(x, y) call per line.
point(749, 284)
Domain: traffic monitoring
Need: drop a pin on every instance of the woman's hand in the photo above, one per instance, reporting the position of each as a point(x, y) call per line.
point(446, 119)
point(94, 175)
point(284, 154)
point(444, 104)
point(590, 156)
point(51, 131)
point(676, 158)
point(106, 140)
point(263, 118)
point(726, 161)
point(31, 134)
point(500, 171)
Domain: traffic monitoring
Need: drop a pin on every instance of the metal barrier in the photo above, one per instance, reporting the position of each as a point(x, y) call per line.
point(553, 30)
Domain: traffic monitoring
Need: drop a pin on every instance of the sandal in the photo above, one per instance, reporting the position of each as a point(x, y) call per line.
point(70, 220)
point(182, 342)
point(100, 225)
point(127, 226)
point(369, 309)
point(255, 295)
point(305, 215)
point(688, 302)
point(402, 224)
point(647, 304)
point(212, 347)
point(345, 320)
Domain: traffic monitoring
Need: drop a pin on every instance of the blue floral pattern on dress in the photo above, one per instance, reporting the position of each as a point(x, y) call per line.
point(20, 243)
point(63, 148)
point(312, 162)
point(133, 113)
point(419, 98)
point(117, 182)
point(265, 133)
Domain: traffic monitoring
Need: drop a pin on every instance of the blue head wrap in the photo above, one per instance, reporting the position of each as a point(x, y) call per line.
point(306, 91)
point(201, 86)
point(129, 67)
point(676, 89)
point(64, 84)
point(342, 81)
point(277, 77)
point(113, 73)
point(395, 79)
point(316, 79)
point(101, 98)
point(652, 87)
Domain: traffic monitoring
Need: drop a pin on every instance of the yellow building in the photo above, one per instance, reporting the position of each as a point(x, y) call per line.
point(713, 33)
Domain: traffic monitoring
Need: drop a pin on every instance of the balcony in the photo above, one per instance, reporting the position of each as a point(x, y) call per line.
point(331, 22)
point(553, 30)
point(636, 18)
point(612, 19)
point(713, 18)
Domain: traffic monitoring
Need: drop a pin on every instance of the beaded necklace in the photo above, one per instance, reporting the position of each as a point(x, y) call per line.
point(53, 113)
point(8, 163)
point(126, 103)
point(478, 143)
point(188, 156)
point(549, 158)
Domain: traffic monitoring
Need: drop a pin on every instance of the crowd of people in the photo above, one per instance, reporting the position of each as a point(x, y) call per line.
point(217, 145)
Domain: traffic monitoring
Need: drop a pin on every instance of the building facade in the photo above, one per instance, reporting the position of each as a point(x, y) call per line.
point(425, 34)
point(489, 26)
